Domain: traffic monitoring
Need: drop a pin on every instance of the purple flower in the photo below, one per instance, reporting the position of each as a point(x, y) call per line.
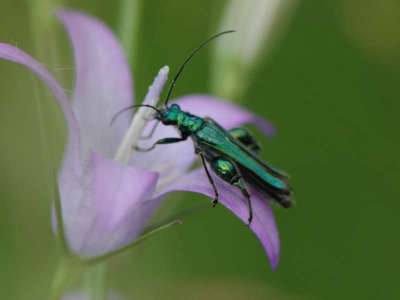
point(107, 193)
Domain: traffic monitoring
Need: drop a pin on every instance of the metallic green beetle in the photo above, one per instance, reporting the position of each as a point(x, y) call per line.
point(232, 154)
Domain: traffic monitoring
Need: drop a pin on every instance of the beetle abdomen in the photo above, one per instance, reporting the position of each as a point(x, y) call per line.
point(282, 196)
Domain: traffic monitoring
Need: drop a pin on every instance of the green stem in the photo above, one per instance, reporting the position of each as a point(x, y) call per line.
point(43, 26)
point(128, 27)
point(68, 270)
point(43, 33)
point(94, 280)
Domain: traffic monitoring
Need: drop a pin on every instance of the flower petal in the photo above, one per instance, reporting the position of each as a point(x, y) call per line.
point(227, 114)
point(111, 210)
point(174, 159)
point(263, 224)
point(171, 160)
point(103, 83)
point(72, 162)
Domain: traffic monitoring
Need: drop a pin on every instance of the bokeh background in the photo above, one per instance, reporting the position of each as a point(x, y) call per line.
point(331, 86)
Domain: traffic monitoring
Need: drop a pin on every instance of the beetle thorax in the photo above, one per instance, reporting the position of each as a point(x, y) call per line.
point(189, 123)
point(185, 121)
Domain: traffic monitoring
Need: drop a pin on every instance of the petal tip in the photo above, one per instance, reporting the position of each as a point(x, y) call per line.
point(274, 261)
point(266, 127)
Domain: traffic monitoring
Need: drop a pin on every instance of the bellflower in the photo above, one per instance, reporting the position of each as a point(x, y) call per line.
point(108, 193)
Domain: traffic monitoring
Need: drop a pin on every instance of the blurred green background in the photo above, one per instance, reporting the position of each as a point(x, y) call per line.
point(331, 86)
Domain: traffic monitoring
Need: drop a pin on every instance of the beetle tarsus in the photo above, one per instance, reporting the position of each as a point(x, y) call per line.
point(139, 149)
point(214, 202)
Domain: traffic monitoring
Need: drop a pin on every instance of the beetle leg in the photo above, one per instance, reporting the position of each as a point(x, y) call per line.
point(230, 173)
point(161, 142)
point(203, 160)
point(246, 138)
point(240, 184)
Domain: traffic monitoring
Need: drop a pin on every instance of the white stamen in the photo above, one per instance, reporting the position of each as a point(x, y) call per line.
point(124, 152)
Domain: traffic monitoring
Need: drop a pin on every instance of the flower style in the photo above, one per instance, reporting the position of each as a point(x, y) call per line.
point(106, 193)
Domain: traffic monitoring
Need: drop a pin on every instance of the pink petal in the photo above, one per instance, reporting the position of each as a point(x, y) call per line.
point(72, 163)
point(112, 209)
point(227, 114)
point(103, 83)
point(263, 224)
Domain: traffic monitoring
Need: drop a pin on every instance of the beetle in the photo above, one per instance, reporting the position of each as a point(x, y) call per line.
point(233, 155)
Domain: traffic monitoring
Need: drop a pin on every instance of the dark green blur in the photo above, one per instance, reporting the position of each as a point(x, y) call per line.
point(331, 87)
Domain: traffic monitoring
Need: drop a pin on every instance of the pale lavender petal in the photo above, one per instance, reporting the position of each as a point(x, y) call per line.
point(103, 83)
point(113, 207)
point(170, 160)
point(227, 114)
point(72, 162)
point(263, 224)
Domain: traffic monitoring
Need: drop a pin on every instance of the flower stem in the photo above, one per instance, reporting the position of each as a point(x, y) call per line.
point(43, 29)
point(95, 282)
point(128, 27)
point(68, 270)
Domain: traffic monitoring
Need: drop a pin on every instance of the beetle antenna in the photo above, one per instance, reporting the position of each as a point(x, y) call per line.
point(132, 107)
point(173, 83)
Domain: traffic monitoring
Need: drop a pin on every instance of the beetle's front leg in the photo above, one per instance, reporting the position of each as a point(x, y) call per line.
point(164, 141)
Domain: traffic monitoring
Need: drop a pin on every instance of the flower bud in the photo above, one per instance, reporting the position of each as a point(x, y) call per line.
point(234, 57)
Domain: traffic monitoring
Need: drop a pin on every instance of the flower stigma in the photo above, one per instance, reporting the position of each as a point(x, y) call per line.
point(140, 119)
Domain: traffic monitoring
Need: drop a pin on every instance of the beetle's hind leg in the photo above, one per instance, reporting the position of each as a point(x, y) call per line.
point(240, 184)
point(230, 173)
point(203, 160)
